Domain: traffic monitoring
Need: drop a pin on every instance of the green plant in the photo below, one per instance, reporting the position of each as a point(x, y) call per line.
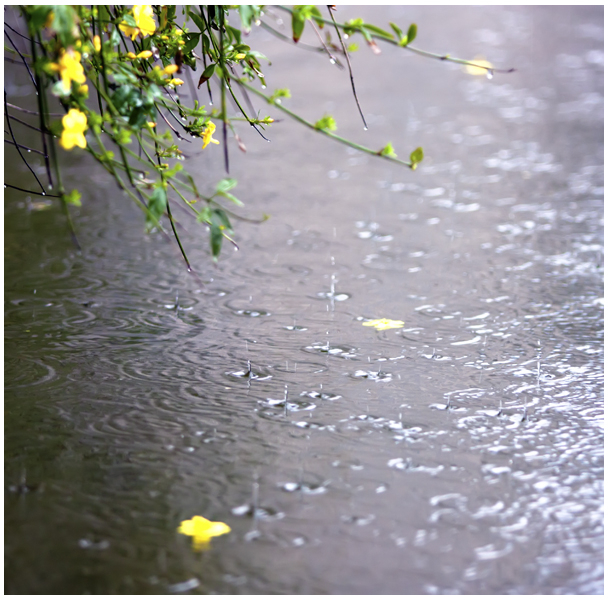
point(116, 72)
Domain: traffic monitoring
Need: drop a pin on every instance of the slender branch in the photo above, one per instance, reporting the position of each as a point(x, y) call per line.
point(14, 187)
point(21, 57)
point(41, 100)
point(25, 147)
point(342, 43)
point(8, 121)
point(390, 40)
point(325, 132)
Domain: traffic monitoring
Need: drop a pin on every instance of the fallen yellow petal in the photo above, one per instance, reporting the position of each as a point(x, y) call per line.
point(202, 530)
point(381, 324)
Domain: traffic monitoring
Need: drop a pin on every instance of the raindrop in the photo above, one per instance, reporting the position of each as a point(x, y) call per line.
point(43, 193)
point(28, 150)
point(489, 74)
point(365, 127)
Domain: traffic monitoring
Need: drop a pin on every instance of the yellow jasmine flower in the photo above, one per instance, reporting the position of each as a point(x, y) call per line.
point(175, 81)
point(74, 126)
point(381, 324)
point(83, 89)
point(471, 70)
point(240, 56)
point(201, 530)
point(207, 135)
point(151, 124)
point(144, 20)
point(96, 43)
point(69, 68)
point(170, 69)
point(144, 54)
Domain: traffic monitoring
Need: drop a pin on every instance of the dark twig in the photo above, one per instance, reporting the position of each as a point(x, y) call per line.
point(342, 43)
point(14, 187)
point(42, 112)
point(8, 121)
point(325, 48)
point(25, 37)
point(26, 124)
point(25, 147)
point(21, 57)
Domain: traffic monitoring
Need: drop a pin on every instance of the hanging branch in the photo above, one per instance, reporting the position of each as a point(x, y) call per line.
point(8, 121)
point(342, 43)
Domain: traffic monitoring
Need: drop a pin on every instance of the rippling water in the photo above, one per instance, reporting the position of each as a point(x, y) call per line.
point(460, 453)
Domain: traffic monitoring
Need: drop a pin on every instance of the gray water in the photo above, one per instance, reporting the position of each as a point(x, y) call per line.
point(461, 453)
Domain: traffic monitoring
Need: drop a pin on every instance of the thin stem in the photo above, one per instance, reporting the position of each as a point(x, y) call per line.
point(25, 147)
point(342, 43)
point(325, 132)
point(390, 40)
point(14, 187)
point(8, 121)
point(41, 100)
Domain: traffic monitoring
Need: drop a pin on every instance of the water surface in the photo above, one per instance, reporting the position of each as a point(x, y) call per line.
point(460, 453)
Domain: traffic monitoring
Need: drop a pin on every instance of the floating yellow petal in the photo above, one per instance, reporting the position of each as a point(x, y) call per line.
point(144, 20)
point(471, 70)
point(207, 135)
point(382, 324)
point(202, 530)
point(74, 127)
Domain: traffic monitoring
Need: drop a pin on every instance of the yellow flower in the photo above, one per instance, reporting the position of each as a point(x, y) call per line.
point(471, 70)
point(144, 21)
point(381, 324)
point(69, 68)
point(131, 55)
point(175, 82)
point(144, 54)
point(201, 530)
point(207, 135)
point(96, 43)
point(74, 126)
point(170, 69)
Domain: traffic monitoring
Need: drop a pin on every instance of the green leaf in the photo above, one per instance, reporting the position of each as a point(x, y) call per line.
point(192, 39)
point(37, 16)
point(225, 185)
point(64, 22)
point(219, 218)
point(156, 205)
point(173, 171)
point(215, 239)
point(412, 33)
point(416, 156)
point(316, 15)
point(399, 34)
point(73, 198)
point(197, 20)
point(326, 123)
point(231, 198)
point(378, 30)
point(298, 24)
point(281, 93)
point(247, 12)
point(388, 151)
point(207, 74)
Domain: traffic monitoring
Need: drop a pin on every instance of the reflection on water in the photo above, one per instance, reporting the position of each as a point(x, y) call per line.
point(460, 453)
